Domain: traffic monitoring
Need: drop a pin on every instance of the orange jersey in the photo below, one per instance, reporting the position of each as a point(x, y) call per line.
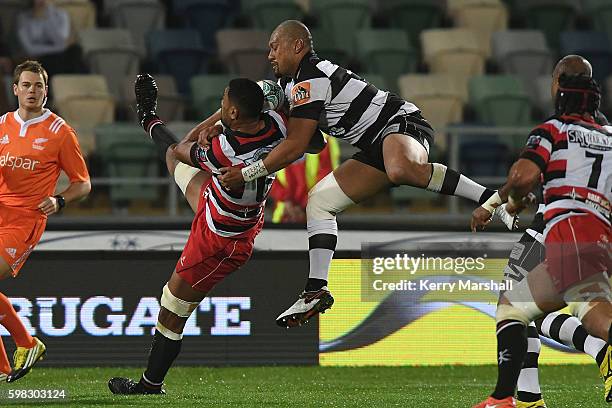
point(32, 153)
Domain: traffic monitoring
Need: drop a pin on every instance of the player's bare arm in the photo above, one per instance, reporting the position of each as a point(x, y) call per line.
point(522, 178)
point(299, 133)
point(75, 191)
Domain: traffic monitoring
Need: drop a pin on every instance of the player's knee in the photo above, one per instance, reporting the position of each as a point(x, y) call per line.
point(174, 314)
point(183, 174)
point(408, 172)
point(326, 199)
point(171, 160)
point(506, 312)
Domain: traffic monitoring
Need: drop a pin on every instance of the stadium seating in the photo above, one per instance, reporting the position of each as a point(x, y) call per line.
point(170, 104)
point(139, 17)
point(8, 18)
point(440, 97)
point(413, 16)
point(84, 101)
point(523, 53)
point(326, 47)
point(543, 97)
point(7, 88)
point(267, 14)
point(550, 16)
point(112, 53)
point(342, 18)
point(452, 51)
point(205, 16)
point(600, 12)
point(82, 15)
point(245, 52)
point(500, 100)
point(126, 152)
point(483, 16)
point(484, 156)
point(594, 46)
point(178, 52)
point(207, 91)
point(386, 52)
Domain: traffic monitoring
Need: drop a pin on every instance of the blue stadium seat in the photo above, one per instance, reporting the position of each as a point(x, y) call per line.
point(594, 46)
point(205, 16)
point(178, 52)
point(484, 158)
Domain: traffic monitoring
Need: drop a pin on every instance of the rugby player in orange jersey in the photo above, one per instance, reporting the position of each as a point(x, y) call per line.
point(35, 145)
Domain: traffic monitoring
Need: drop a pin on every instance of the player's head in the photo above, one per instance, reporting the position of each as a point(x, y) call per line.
point(30, 85)
point(577, 94)
point(289, 42)
point(242, 102)
point(569, 65)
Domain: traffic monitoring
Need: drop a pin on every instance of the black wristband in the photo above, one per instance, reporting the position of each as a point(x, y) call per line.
point(61, 202)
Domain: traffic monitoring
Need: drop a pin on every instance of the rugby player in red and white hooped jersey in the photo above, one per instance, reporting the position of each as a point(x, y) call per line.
point(226, 221)
point(573, 153)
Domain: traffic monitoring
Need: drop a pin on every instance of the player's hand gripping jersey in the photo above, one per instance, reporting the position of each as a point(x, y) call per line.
point(238, 213)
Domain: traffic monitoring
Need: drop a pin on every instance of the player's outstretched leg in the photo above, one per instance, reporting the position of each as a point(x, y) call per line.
point(567, 329)
point(30, 350)
point(189, 179)
point(178, 301)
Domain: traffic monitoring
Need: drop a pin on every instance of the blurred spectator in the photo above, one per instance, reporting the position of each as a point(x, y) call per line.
point(43, 32)
point(290, 189)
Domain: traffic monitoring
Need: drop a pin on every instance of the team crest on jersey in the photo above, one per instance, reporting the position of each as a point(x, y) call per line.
point(38, 143)
point(533, 141)
point(590, 140)
point(300, 93)
point(5, 140)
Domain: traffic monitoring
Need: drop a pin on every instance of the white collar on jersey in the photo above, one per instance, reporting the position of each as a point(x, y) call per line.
point(24, 124)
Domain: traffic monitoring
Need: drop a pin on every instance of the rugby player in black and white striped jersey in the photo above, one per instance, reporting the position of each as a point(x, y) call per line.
point(391, 133)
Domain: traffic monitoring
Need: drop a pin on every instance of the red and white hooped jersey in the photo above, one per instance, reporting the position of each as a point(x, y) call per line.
point(236, 213)
point(575, 157)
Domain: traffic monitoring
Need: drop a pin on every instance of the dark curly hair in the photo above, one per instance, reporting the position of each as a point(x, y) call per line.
point(577, 94)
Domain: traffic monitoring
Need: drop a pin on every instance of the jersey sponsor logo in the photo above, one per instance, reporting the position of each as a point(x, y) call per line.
point(5, 140)
point(11, 251)
point(15, 162)
point(300, 93)
point(38, 143)
point(591, 140)
point(336, 131)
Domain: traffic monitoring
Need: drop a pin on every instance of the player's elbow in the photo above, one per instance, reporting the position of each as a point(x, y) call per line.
point(86, 188)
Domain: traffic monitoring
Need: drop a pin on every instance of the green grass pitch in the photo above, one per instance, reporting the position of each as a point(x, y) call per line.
point(370, 387)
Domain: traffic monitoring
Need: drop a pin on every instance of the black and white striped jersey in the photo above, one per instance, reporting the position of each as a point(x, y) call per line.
point(345, 105)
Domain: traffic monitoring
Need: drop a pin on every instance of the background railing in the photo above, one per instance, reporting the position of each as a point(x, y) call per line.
point(446, 213)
